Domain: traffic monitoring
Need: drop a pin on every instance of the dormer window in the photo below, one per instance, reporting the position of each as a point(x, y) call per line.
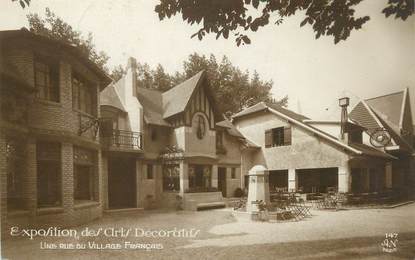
point(47, 79)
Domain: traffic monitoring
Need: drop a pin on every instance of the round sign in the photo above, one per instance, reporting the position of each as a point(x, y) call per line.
point(380, 137)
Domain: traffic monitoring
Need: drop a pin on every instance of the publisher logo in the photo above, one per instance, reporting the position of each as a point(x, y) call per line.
point(390, 243)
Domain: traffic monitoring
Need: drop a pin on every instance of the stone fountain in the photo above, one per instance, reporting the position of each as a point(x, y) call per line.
point(258, 188)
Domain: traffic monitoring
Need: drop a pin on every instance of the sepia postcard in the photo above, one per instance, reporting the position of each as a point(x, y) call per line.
point(207, 129)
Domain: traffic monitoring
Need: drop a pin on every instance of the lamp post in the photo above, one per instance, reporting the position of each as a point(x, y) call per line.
point(343, 103)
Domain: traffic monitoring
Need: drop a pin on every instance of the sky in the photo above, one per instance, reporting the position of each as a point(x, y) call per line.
point(376, 60)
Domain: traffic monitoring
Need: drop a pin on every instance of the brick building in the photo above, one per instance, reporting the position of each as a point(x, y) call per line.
point(50, 154)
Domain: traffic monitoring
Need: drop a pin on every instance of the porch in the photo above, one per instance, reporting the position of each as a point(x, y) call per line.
point(361, 180)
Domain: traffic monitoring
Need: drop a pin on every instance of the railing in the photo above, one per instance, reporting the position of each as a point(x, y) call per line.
point(124, 140)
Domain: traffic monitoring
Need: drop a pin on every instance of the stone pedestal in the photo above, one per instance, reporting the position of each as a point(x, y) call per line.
point(344, 178)
point(258, 187)
point(184, 177)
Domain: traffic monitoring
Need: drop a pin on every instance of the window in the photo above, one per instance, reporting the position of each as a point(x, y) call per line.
point(278, 136)
point(171, 177)
point(15, 172)
point(233, 173)
point(48, 174)
point(84, 173)
point(356, 137)
point(47, 80)
point(200, 176)
point(83, 96)
point(149, 171)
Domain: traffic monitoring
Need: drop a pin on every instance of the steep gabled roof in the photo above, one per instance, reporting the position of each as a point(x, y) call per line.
point(386, 112)
point(388, 107)
point(362, 115)
point(158, 106)
point(152, 102)
point(176, 99)
point(109, 97)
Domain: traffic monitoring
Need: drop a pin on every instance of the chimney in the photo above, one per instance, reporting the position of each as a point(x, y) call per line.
point(344, 103)
point(131, 73)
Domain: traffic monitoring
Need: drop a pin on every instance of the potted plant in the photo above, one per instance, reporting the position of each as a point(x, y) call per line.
point(263, 211)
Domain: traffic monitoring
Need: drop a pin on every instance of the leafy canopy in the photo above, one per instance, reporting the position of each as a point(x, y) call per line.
point(334, 18)
point(234, 89)
point(55, 28)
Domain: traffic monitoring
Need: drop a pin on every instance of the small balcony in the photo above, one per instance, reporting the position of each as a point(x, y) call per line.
point(121, 140)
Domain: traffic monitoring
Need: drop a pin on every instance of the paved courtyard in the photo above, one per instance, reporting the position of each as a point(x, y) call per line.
point(346, 234)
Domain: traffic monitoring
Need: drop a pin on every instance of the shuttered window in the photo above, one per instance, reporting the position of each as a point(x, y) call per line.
point(287, 135)
point(279, 136)
point(268, 138)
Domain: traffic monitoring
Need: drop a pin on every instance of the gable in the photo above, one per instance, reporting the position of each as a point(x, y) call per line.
point(176, 99)
point(407, 121)
point(361, 115)
point(200, 102)
point(407, 130)
point(388, 107)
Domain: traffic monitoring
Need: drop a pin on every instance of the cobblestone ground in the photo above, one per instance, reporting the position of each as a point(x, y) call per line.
point(347, 234)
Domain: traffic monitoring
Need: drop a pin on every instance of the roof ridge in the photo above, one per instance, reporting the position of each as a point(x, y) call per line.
point(181, 83)
point(385, 95)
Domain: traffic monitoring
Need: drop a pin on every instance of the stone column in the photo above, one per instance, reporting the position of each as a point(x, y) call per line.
point(184, 177)
point(344, 177)
point(292, 180)
point(215, 176)
point(388, 175)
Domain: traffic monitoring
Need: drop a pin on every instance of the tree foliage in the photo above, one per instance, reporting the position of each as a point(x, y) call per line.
point(23, 3)
point(336, 18)
point(55, 28)
point(233, 88)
